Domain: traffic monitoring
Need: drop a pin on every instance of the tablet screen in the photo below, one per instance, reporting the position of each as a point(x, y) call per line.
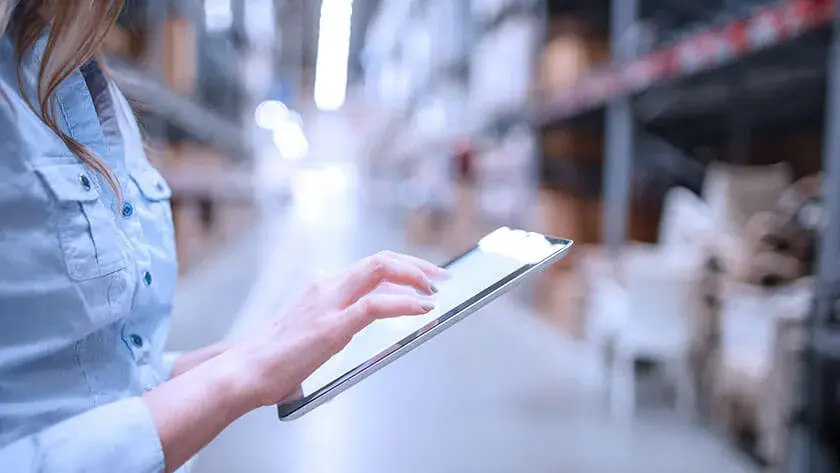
point(495, 260)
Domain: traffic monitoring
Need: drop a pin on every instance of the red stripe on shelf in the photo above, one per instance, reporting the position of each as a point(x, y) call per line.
point(711, 48)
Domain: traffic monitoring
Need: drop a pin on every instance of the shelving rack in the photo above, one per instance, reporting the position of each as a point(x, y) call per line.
point(715, 71)
point(764, 65)
point(185, 75)
point(485, 131)
point(167, 114)
point(655, 90)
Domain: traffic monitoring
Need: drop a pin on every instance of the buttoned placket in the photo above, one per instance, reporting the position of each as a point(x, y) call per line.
point(127, 215)
point(134, 334)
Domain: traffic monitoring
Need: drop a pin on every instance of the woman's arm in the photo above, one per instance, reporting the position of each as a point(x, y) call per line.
point(191, 359)
point(115, 437)
point(191, 409)
point(157, 433)
point(171, 423)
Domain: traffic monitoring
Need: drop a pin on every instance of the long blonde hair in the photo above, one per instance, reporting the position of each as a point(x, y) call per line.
point(77, 29)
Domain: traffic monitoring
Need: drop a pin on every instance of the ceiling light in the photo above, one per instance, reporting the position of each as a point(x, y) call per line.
point(333, 54)
point(271, 114)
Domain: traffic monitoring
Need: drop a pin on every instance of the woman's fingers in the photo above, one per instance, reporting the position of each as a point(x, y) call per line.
point(295, 395)
point(382, 306)
point(371, 272)
point(395, 289)
point(429, 269)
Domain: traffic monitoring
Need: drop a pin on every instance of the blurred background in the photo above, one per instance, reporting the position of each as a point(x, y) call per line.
point(684, 145)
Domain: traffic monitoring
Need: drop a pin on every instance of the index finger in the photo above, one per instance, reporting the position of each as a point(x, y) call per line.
point(430, 269)
point(368, 274)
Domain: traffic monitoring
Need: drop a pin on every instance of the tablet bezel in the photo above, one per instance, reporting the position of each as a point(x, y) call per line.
point(295, 409)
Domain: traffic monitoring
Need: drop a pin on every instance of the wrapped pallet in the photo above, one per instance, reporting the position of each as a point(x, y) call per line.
point(775, 407)
point(762, 338)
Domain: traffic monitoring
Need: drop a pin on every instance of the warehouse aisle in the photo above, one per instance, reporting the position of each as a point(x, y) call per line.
point(501, 392)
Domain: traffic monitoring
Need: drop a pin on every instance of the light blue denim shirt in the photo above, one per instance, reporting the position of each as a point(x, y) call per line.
point(85, 286)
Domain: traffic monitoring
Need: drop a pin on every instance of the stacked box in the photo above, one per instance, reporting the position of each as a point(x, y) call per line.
point(180, 55)
point(571, 53)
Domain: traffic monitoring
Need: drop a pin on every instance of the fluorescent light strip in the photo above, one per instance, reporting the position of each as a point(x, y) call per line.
point(333, 54)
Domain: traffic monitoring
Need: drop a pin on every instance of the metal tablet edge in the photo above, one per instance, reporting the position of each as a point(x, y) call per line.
point(294, 412)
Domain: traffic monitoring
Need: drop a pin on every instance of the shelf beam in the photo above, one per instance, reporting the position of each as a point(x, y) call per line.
point(700, 52)
point(199, 122)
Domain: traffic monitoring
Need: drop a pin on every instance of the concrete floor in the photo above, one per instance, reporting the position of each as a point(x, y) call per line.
point(501, 392)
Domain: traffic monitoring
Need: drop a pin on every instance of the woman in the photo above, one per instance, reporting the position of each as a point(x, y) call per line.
point(87, 270)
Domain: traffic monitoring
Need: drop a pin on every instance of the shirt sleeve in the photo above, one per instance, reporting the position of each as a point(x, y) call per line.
point(116, 437)
point(169, 359)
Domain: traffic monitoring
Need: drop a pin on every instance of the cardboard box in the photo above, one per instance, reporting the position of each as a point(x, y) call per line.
point(232, 219)
point(118, 41)
point(180, 55)
point(196, 155)
point(465, 226)
point(645, 217)
point(571, 53)
point(801, 148)
point(559, 297)
point(212, 203)
point(204, 226)
point(422, 228)
point(565, 215)
point(581, 218)
point(190, 234)
point(560, 215)
point(562, 143)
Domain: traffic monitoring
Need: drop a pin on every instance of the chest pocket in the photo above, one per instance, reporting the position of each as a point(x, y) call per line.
point(86, 230)
point(157, 195)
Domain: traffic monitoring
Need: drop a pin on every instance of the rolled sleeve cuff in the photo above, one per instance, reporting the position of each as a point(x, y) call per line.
point(116, 437)
point(168, 361)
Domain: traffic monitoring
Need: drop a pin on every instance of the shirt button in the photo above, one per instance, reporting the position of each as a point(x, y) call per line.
point(147, 278)
point(85, 180)
point(137, 340)
point(127, 210)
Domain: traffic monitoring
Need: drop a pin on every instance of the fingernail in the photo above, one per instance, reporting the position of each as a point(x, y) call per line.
point(427, 306)
point(433, 288)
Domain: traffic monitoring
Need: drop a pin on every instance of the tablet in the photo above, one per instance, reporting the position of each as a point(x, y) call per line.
point(496, 264)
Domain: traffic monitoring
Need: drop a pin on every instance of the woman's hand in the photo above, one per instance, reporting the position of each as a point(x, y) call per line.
point(269, 366)
point(280, 356)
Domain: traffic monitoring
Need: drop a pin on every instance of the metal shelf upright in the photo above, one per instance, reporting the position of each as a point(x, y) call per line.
point(811, 450)
point(620, 135)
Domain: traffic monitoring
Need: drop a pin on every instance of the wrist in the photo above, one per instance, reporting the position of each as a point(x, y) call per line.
point(187, 361)
point(225, 377)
